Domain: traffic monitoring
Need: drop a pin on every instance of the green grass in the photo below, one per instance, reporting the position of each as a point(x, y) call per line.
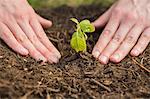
point(57, 3)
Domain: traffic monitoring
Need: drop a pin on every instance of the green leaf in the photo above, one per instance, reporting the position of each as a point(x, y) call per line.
point(74, 20)
point(78, 42)
point(86, 26)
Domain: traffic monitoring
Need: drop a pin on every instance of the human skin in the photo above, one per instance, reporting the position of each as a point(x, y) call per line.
point(21, 29)
point(127, 30)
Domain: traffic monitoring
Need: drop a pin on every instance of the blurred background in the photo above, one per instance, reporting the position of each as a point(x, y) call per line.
point(57, 3)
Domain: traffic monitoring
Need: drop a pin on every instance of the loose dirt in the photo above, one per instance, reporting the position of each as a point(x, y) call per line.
point(76, 75)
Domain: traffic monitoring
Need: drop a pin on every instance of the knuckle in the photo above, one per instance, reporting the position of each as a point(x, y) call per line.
point(106, 33)
point(117, 11)
point(146, 36)
point(20, 15)
point(34, 38)
point(130, 39)
point(22, 39)
point(40, 37)
point(117, 39)
point(131, 16)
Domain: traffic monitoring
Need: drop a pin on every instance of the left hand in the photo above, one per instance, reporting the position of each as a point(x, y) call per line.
point(21, 29)
point(127, 30)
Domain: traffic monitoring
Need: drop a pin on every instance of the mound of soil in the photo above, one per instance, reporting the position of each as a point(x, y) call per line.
point(76, 75)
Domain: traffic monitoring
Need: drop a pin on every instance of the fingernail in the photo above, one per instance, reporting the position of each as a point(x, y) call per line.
point(96, 53)
point(116, 57)
point(103, 59)
point(24, 51)
point(54, 59)
point(58, 55)
point(136, 52)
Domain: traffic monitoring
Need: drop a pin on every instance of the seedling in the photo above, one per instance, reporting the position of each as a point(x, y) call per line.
point(79, 37)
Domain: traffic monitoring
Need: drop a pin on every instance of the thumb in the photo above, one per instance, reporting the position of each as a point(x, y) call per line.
point(102, 20)
point(44, 22)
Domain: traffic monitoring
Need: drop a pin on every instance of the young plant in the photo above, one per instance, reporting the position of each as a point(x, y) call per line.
point(79, 37)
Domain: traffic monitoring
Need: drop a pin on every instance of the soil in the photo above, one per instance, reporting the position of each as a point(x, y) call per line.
point(76, 76)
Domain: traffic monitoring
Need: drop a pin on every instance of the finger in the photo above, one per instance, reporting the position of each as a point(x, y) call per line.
point(10, 40)
point(115, 42)
point(127, 44)
point(142, 43)
point(23, 40)
point(45, 23)
point(107, 34)
point(43, 38)
point(102, 20)
point(37, 44)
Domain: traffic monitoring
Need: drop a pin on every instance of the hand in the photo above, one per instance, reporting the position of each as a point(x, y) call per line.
point(21, 29)
point(127, 30)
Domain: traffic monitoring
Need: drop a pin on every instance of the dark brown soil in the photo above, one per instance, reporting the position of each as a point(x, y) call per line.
point(76, 76)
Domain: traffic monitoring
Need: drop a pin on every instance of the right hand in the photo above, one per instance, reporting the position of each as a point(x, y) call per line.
point(21, 29)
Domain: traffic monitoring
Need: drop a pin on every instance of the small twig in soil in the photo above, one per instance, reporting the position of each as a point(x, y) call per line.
point(53, 90)
point(84, 56)
point(48, 96)
point(141, 65)
point(1, 57)
point(88, 73)
point(142, 60)
point(71, 58)
point(101, 85)
point(2, 81)
point(54, 40)
point(66, 86)
point(124, 69)
point(26, 95)
point(97, 71)
point(71, 89)
point(43, 86)
point(90, 96)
